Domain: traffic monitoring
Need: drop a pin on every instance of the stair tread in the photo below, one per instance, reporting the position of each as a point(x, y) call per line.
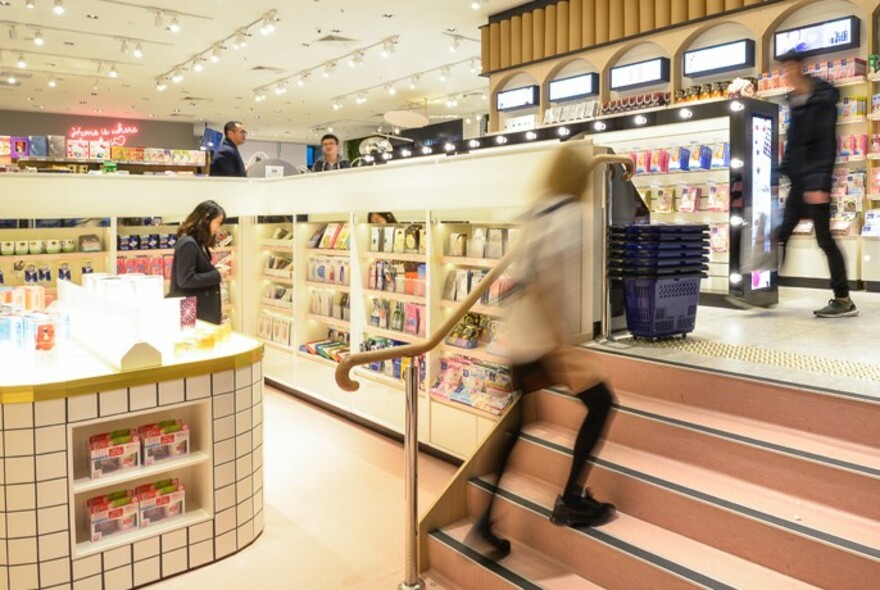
point(673, 547)
point(528, 562)
point(792, 439)
point(788, 508)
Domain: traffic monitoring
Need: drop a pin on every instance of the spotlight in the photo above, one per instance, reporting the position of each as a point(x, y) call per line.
point(390, 90)
point(337, 105)
point(100, 68)
point(387, 156)
point(473, 144)
point(500, 140)
point(160, 18)
point(161, 85)
point(301, 81)
point(736, 278)
point(215, 55)
point(640, 120)
point(426, 151)
point(59, 7)
point(736, 220)
point(268, 25)
point(197, 66)
point(21, 63)
point(361, 98)
point(736, 163)
point(388, 48)
point(123, 49)
point(685, 113)
point(38, 38)
point(456, 43)
point(138, 52)
point(356, 59)
point(445, 73)
point(564, 132)
point(280, 89)
point(11, 79)
point(736, 106)
point(405, 153)
point(240, 40)
point(475, 66)
point(113, 73)
point(31, 4)
point(449, 147)
point(414, 82)
point(531, 136)
point(177, 76)
point(13, 33)
point(52, 82)
point(600, 126)
point(329, 68)
point(174, 27)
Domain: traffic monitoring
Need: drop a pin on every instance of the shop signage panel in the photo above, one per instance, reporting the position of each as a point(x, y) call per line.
point(719, 58)
point(117, 134)
point(574, 87)
point(517, 98)
point(825, 37)
point(643, 73)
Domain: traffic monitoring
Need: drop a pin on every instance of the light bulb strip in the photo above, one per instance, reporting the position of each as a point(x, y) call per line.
point(44, 28)
point(214, 49)
point(94, 60)
point(331, 63)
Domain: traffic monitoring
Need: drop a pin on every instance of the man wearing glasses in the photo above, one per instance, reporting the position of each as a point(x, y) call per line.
point(227, 161)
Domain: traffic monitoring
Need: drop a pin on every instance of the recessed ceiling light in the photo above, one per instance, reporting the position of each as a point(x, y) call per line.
point(4, 2)
point(388, 15)
point(93, 16)
point(69, 43)
point(59, 7)
point(82, 102)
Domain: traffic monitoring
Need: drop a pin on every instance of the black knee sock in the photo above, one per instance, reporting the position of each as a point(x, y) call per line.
point(598, 400)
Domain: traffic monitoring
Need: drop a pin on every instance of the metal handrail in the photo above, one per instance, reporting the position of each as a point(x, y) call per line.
point(411, 379)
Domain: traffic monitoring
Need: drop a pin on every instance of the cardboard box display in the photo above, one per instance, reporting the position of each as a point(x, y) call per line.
point(112, 452)
point(77, 149)
point(164, 440)
point(111, 514)
point(160, 501)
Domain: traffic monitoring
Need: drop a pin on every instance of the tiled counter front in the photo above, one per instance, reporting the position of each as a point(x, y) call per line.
point(41, 528)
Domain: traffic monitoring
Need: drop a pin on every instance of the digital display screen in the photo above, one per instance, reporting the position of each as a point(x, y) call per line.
point(643, 73)
point(574, 87)
point(761, 244)
point(518, 98)
point(825, 37)
point(719, 58)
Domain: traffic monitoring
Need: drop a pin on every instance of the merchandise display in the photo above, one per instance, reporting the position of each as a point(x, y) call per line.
point(112, 514)
point(164, 440)
point(333, 348)
point(160, 501)
point(114, 452)
point(25, 328)
point(395, 368)
point(479, 385)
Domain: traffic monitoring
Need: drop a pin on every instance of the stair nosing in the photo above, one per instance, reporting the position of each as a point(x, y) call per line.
point(746, 440)
point(675, 569)
point(728, 505)
point(478, 558)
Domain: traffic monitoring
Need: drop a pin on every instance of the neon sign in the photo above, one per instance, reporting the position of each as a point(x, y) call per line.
point(116, 135)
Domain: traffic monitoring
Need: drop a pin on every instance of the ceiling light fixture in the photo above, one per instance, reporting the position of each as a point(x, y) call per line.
point(52, 82)
point(161, 85)
point(456, 43)
point(31, 4)
point(414, 82)
point(123, 49)
point(138, 52)
point(301, 81)
point(38, 38)
point(177, 76)
point(390, 89)
point(329, 67)
point(337, 105)
point(268, 24)
point(475, 66)
point(160, 18)
point(445, 73)
point(21, 63)
point(197, 65)
point(356, 59)
point(174, 27)
point(389, 47)
point(215, 54)
point(59, 7)
point(113, 73)
point(280, 89)
point(11, 79)
point(100, 68)
point(240, 40)
point(426, 151)
point(361, 98)
point(13, 34)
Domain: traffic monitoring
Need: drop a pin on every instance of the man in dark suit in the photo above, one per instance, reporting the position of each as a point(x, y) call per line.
point(227, 161)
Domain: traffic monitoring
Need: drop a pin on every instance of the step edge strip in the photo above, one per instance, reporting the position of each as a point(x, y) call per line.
point(492, 566)
point(636, 552)
point(768, 519)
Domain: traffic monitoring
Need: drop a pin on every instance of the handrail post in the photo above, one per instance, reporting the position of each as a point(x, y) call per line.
point(606, 288)
point(411, 476)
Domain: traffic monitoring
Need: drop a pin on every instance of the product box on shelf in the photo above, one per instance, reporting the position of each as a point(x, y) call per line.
point(160, 501)
point(78, 149)
point(113, 452)
point(99, 149)
point(5, 150)
point(39, 146)
point(21, 147)
point(57, 146)
point(111, 514)
point(164, 440)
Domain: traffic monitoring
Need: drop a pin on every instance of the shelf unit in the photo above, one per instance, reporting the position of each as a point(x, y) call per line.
point(317, 359)
point(329, 286)
point(478, 353)
point(85, 484)
point(395, 256)
point(474, 262)
point(392, 335)
point(330, 321)
point(490, 310)
point(392, 296)
point(327, 252)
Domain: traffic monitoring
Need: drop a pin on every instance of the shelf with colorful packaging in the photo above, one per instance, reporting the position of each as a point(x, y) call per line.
point(273, 271)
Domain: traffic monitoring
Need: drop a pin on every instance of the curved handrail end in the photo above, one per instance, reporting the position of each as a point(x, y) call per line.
point(343, 376)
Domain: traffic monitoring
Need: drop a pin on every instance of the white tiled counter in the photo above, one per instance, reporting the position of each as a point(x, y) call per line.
point(44, 470)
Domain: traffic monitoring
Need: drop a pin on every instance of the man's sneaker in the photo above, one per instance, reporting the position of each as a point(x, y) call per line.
point(838, 308)
point(586, 511)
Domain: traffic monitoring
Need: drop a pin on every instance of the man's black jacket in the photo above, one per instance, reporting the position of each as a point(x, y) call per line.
point(812, 142)
point(227, 161)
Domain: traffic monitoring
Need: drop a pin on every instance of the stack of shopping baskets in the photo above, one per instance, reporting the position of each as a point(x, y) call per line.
point(661, 267)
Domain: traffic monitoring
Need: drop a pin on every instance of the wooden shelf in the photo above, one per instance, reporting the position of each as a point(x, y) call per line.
point(276, 307)
point(395, 256)
point(854, 81)
point(317, 359)
point(465, 261)
point(684, 173)
point(479, 353)
point(382, 379)
point(62, 256)
point(874, 116)
point(329, 286)
point(286, 280)
point(842, 160)
point(345, 325)
point(392, 335)
point(874, 77)
point(873, 156)
point(391, 295)
point(477, 308)
point(326, 252)
point(466, 408)
point(851, 121)
point(183, 521)
point(874, 197)
point(85, 484)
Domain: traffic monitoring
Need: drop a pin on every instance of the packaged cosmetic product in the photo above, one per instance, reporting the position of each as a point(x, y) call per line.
point(21, 147)
point(720, 155)
point(315, 240)
point(423, 240)
point(663, 197)
point(388, 238)
point(329, 238)
point(463, 286)
point(160, 501)
point(376, 241)
point(495, 243)
point(421, 280)
point(411, 239)
point(476, 247)
point(719, 234)
point(113, 452)
point(660, 160)
point(688, 198)
point(643, 162)
point(77, 149)
point(341, 242)
point(399, 240)
point(164, 440)
point(111, 514)
point(458, 244)
point(57, 146)
point(412, 318)
point(99, 149)
point(39, 146)
point(450, 285)
point(719, 197)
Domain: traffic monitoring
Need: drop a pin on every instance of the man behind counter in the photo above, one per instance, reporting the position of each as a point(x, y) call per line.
point(227, 160)
point(331, 159)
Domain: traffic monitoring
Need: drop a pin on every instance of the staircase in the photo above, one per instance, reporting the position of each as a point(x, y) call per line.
point(719, 482)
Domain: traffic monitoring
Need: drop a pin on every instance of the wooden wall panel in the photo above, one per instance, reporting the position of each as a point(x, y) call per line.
point(696, 9)
point(678, 12)
point(494, 46)
point(588, 23)
point(663, 13)
point(538, 34)
point(630, 18)
point(516, 40)
point(575, 24)
point(647, 16)
point(714, 7)
point(484, 49)
point(562, 27)
point(601, 21)
point(615, 20)
point(528, 38)
point(550, 30)
point(505, 43)
point(732, 4)
point(752, 2)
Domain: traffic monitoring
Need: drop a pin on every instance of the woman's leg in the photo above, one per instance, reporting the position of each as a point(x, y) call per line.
point(598, 400)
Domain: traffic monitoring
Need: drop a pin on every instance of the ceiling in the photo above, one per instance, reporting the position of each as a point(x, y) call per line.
point(82, 54)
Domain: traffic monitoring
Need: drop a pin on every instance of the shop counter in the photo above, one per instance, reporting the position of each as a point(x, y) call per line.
point(51, 408)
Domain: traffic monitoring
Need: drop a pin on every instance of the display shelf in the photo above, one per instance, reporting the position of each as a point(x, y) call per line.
point(475, 262)
point(842, 83)
point(48, 160)
point(327, 252)
point(163, 251)
point(874, 77)
point(873, 116)
point(850, 159)
point(392, 335)
point(874, 156)
point(330, 321)
point(682, 173)
point(287, 280)
point(392, 296)
point(281, 245)
point(874, 197)
point(854, 81)
point(772, 92)
point(328, 286)
point(379, 378)
point(395, 256)
point(477, 308)
point(61, 256)
point(277, 346)
point(852, 121)
point(188, 519)
point(277, 307)
point(317, 359)
point(466, 408)
point(479, 353)
point(86, 484)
